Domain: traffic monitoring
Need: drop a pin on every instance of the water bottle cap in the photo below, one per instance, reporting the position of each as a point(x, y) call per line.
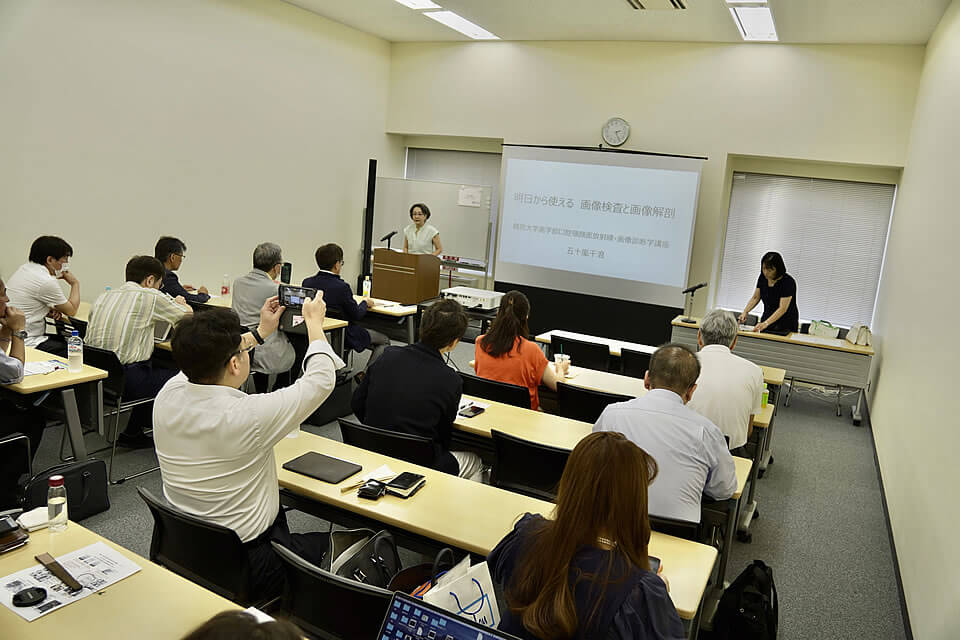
point(56, 481)
point(74, 334)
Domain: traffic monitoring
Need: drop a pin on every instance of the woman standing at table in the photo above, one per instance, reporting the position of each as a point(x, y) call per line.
point(778, 291)
point(586, 572)
point(420, 237)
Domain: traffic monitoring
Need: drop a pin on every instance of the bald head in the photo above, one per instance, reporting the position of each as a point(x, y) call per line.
point(674, 367)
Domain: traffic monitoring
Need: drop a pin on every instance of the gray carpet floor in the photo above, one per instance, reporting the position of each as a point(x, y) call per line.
point(821, 527)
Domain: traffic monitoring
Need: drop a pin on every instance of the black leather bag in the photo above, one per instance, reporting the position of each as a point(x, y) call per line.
point(86, 484)
point(362, 555)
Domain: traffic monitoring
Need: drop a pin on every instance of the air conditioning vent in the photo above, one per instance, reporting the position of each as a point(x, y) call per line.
point(657, 5)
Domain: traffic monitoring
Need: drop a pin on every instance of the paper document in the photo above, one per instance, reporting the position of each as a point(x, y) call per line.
point(470, 196)
point(802, 337)
point(44, 367)
point(96, 567)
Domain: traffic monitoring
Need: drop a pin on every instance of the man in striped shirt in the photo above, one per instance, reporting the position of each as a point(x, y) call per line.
point(124, 321)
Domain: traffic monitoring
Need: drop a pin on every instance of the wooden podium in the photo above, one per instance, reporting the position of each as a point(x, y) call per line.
point(406, 278)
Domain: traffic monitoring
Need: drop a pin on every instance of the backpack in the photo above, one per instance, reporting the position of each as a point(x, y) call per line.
point(749, 607)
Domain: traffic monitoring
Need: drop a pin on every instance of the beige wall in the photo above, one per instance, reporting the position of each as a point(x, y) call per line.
point(835, 104)
point(226, 123)
point(915, 424)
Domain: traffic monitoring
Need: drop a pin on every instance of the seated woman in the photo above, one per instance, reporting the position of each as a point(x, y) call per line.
point(504, 354)
point(586, 573)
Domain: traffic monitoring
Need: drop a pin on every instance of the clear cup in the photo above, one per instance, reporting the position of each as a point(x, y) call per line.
point(565, 364)
point(558, 363)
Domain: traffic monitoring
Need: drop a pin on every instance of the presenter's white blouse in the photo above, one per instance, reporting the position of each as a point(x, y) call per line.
point(420, 241)
point(215, 444)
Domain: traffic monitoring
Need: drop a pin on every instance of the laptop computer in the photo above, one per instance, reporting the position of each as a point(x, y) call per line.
point(411, 619)
point(161, 331)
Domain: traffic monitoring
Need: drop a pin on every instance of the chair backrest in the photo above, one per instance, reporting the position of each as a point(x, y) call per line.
point(205, 553)
point(415, 449)
point(526, 467)
point(497, 391)
point(108, 361)
point(15, 462)
point(634, 363)
point(589, 355)
point(585, 405)
point(328, 606)
point(677, 528)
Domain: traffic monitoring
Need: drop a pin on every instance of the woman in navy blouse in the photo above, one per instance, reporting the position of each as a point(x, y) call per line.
point(586, 574)
point(778, 291)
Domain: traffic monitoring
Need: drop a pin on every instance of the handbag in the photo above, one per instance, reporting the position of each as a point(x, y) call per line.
point(823, 329)
point(420, 578)
point(362, 555)
point(86, 484)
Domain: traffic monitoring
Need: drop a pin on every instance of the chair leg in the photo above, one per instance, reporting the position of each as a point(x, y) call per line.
point(786, 401)
point(839, 395)
point(116, 437)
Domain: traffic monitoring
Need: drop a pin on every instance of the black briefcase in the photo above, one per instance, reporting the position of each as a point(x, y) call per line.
point(86, 484)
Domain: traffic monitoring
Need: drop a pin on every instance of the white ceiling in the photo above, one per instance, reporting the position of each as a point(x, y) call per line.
point(797, 21)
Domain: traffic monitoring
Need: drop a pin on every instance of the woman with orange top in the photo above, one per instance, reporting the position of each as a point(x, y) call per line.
point(505, 354)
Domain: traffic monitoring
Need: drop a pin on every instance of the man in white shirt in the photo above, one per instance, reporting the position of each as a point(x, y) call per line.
point(215, 443)
point(730, 388)
point(125, 321)
point(33, 288)
point(690, 451)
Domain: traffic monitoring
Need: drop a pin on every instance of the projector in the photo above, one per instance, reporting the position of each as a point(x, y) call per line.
point(473, 298)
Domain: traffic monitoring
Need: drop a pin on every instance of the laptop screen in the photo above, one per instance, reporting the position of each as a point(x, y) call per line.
point(412, 619)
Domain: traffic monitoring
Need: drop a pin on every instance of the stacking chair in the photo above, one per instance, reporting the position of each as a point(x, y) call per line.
point(589, 355)
point(585, 405)
point(15, 462)
point(113, 389)
point(208, 554)
point(676, 528)
point(327, 606)
point(415, 449)
point(526, 467)
point(497, 391)
point(634, 363)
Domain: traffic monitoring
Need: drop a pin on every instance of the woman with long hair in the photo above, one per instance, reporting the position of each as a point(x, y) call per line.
point(506, 355)
point(586, 574)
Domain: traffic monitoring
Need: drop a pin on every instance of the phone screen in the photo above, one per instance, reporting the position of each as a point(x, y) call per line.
point(654, 563)
point(285, 272)
point(295, 296)
point(405, 480)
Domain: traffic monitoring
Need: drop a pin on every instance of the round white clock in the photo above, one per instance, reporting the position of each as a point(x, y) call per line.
point(615, 131)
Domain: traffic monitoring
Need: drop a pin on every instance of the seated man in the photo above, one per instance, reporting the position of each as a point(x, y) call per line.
point(124, 321)
point(215, 443)
point(689, 449)
point(250, 291)
point(412, 390)
point(730, 388)
point(14, 418)
point(339, 298)
point(171, 251)
point(33, 288)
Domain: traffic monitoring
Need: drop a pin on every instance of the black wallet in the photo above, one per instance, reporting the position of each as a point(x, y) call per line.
point(316, 465)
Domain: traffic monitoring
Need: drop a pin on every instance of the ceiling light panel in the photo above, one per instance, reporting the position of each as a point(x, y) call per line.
point(420, 4)
point(736, 1)
point(755, 23)
point(464, 26)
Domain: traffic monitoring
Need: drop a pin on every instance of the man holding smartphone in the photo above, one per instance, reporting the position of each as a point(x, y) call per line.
point(215, 443)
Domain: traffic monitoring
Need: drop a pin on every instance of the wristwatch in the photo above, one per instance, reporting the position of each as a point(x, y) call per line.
point(22, 334)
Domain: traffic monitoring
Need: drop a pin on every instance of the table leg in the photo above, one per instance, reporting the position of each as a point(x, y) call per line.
point(411, 338)
point(73, 426)
point(748, 509)
point(857, 415)
point(768, 446)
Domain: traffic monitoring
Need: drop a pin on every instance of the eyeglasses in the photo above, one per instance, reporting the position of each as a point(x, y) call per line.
point(237, 353)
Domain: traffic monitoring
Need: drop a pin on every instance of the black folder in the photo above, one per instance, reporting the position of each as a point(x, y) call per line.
point(316, 465)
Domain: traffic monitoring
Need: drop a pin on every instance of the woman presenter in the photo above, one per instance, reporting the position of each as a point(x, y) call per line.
point(778, 291)
point(421, 237)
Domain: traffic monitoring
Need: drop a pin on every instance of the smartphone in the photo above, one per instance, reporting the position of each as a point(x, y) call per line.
point(7, 524)
point(471, 412)
point(285, 272)
point(405, 480)
point(654, 563)
point(293, 297)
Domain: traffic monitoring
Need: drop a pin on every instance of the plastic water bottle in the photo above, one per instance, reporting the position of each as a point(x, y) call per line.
point(225, 287)
point(57, 504)
point(366, 287)
point(75, 353)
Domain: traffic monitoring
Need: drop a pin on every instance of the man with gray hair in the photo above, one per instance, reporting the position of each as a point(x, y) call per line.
point(275, 355)
point(730, 388)
point(689, 449)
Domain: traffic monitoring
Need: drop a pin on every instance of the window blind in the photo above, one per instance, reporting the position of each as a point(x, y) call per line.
point(831, 233)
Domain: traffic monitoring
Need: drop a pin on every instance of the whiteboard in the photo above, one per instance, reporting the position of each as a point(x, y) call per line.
point(461, 213)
